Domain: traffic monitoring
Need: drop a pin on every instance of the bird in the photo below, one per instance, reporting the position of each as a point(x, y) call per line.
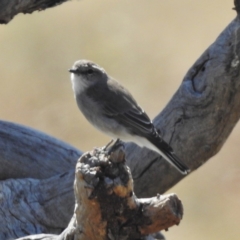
point(111, 108)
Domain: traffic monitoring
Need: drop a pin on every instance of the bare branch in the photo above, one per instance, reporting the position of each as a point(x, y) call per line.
point(198, 119)
point(107, 208)
point(34, 206)
point(10, 8)
point(28, 153)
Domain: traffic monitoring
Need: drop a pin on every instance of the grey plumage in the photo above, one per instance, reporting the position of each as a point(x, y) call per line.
point(112, 109)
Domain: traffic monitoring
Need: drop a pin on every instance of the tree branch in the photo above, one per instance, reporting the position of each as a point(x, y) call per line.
point(35, 206)
point(28, 153)
point(199, 117)
point(10, 8)
point(107, 208)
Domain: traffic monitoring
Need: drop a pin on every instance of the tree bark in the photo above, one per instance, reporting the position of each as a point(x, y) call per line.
point(196, 123)
point(31, 206)
point(199, 117)
point(10, 8)
point(28, 153)
point(106, 206)
point(38, 170)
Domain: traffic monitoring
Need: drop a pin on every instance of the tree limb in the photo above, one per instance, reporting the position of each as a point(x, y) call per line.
point(199, 117)
point(28, 153)
point(107, 208)
point(10, 8)
point(36, 205)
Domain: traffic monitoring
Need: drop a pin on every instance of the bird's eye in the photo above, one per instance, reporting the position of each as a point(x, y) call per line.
point(89, 71)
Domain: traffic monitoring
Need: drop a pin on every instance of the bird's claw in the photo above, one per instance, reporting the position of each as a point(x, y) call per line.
point(113, 145)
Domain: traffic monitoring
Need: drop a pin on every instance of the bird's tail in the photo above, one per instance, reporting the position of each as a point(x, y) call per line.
point(167, 152)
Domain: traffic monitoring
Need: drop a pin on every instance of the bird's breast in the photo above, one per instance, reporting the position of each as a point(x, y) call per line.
point(94, 114)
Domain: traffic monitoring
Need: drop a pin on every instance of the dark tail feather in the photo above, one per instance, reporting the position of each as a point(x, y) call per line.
point(176, 162)
point(167, 152)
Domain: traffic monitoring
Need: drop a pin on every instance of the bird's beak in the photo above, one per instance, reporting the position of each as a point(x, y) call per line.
point(72, 71)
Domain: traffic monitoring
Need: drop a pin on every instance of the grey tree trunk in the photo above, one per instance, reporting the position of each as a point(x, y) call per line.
point(37, 195)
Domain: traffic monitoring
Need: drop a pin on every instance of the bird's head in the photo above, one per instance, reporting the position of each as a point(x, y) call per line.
point(84, 74)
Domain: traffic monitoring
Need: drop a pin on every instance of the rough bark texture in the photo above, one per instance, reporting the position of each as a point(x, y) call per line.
point(37, 194)
point(35, 206)
point(198, 119)
point(196, 122)
point(106, 206)
point(27, 153)
point(10, 8)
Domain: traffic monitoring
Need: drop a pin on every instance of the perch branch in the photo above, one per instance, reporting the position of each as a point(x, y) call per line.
point(106, 206)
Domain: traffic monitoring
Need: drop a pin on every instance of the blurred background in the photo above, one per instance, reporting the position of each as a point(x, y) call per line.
point(148, 46)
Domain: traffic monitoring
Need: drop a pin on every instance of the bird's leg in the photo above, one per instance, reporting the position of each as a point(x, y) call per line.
point(108, 144)
point(114, 145)
point(117, 141)
point(159, 131)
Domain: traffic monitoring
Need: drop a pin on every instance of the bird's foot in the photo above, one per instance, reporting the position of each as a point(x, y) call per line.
point(113, 145)
point(108, 144)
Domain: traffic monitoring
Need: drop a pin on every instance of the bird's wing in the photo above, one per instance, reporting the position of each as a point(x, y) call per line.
point(133, 118)
point(118, 103)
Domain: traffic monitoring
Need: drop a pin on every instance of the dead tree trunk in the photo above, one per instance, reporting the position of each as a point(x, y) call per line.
point(106, 206)
point(196, 123)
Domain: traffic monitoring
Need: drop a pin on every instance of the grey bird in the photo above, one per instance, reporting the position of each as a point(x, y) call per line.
point(111, 108)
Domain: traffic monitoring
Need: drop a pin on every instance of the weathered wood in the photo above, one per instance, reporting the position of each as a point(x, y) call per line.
point(36, 205)
point(10, 8)
point(106, 206)
point(27, 153)
point(199, 117)
point(38, 195)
